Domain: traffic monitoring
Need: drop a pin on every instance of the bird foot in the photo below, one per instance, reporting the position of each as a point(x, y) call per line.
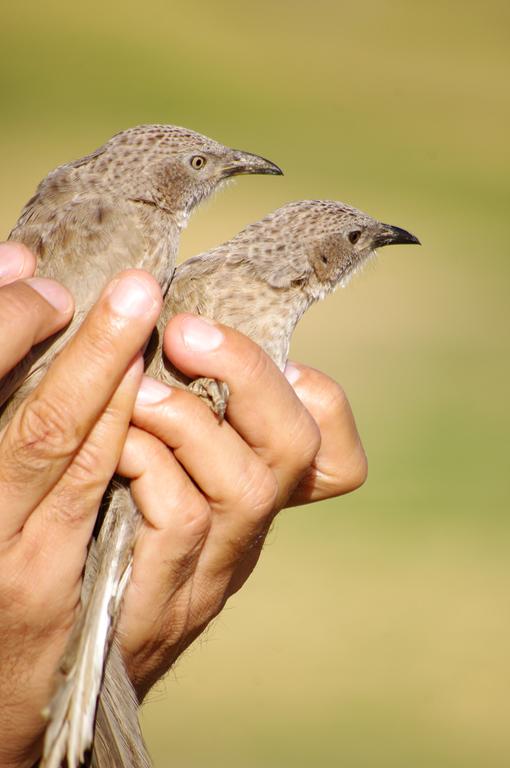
point(214, 393)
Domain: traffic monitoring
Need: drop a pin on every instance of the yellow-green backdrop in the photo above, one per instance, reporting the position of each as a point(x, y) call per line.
point(376, 631)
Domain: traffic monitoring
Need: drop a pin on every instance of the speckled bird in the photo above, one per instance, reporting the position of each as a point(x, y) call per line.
point(123, 206)
point(263, 280)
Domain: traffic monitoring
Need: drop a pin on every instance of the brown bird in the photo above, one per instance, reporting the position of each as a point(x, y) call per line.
point(123, 206)
point(263, 280)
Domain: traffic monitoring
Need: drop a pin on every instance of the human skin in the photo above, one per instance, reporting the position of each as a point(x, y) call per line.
point(288, 440)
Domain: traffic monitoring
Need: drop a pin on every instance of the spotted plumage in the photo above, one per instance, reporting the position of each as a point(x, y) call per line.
point(263, 280)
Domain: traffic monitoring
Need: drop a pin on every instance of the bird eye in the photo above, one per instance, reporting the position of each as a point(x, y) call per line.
point(197, 162)
point(354, 236)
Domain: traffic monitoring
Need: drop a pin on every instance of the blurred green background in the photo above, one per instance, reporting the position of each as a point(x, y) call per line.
point(376, 630)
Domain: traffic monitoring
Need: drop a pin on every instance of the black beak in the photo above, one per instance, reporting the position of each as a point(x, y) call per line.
point(245, 162)
point(390, 235)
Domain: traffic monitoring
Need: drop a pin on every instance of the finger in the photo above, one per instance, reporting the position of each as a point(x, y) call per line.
point(262, 407)
point(30, 311)
point(220, 462)
point(64, 520)
point(16, 262)
point(176, 522)
point(340, 465)
point(240, 488)
point(49, 427)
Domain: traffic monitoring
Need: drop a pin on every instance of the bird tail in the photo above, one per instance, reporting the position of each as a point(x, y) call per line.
point(116, 740)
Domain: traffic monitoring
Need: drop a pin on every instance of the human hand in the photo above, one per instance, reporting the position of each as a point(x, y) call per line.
point(197, 549)
point(209, 501)
point(57, 455)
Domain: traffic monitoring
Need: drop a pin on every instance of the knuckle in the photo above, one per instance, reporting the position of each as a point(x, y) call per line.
point(303, 445)
point(71, 506)
point(88, 468)
point(45, 432)
point(351, 474)
point(325, 398)
point(79, 492)
point(358, 471)
point(334, 403)
point(259, 492)
point(310, 441)
point(197, 517)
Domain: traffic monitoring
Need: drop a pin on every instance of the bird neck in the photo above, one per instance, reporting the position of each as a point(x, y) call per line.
point(162, 234)
point(276, 312)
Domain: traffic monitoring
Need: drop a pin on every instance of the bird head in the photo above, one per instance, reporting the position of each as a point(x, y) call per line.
point(167, 166)
point(315, 244)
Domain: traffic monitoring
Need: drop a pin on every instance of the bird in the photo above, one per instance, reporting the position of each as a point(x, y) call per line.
point(122, 206)
point(263, 280)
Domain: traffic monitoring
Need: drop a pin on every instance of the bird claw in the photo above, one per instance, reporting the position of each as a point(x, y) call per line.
point(214, 393)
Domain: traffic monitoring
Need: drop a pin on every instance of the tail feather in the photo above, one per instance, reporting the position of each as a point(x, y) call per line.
point(72, 712)
point(118, 739)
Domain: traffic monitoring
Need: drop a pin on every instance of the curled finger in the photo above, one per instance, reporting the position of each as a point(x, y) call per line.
point(31, 310)
point(16, 262)
point(262, 408)
point(340, 465)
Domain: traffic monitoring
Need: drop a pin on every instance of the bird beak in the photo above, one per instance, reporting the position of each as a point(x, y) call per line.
point(390, 235)
point(246, 162)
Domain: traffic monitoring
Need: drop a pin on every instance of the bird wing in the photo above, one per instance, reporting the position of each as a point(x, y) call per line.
point(83, 242)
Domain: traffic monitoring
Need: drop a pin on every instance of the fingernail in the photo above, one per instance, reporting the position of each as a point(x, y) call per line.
point(152, 391)
point(54, 293)
point(200, 334)
point(129, 297)
point(292, 374)
point(12, 261)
